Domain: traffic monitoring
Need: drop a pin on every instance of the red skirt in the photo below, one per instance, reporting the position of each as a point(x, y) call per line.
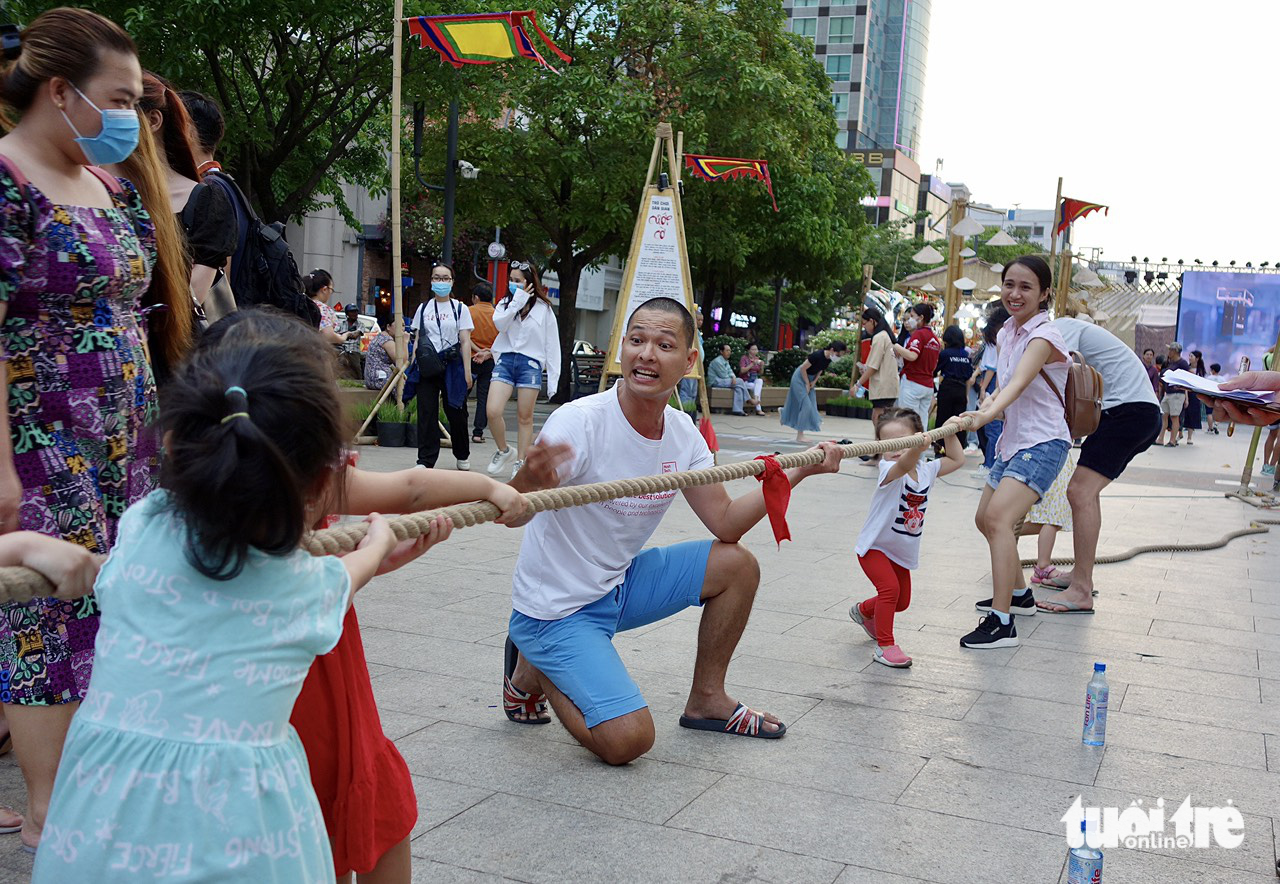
point(362, 782)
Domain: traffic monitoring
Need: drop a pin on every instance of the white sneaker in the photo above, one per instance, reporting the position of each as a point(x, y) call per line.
point(971, 448)
point(515, 468)
point(464, 465)
point(981, 473)
point(500, 461)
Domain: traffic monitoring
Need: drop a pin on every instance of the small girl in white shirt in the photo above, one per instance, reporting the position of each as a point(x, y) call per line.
point(888, 547)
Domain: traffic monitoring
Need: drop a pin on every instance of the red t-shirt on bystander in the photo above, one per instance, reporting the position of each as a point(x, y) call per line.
point(924, 342)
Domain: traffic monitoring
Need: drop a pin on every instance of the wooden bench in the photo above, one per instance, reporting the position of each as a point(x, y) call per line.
point(773, 398)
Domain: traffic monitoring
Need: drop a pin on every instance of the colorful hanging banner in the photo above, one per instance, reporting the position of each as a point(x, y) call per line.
point(1072, 210)
point(724, 168)
point(484, 38)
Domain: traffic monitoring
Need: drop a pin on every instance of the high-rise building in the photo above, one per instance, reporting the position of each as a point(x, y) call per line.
point(875, 54)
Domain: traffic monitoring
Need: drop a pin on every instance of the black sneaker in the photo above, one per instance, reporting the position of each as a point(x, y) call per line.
point(1022, 605)
point(991, 633)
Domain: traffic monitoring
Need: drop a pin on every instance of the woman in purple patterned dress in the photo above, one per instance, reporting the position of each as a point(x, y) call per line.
point(79, 443)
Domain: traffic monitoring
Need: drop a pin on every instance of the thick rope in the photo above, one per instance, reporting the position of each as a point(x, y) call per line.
point(345, 537)
point(19, 584)
point(1256, 526)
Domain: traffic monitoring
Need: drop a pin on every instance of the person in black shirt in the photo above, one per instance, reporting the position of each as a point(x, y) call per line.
point(956, 371)
point(800, 412)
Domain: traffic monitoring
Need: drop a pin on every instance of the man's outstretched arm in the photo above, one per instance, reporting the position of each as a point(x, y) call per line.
point(730, 518)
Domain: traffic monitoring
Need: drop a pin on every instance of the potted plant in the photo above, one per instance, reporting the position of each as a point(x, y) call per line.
point(391, 425)
point(358, 414)
point(411, 423)
point(838, 406)
point(860, 408)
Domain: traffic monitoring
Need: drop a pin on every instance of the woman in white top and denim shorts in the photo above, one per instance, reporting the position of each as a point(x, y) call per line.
point(1033, 446)
point(528, 342)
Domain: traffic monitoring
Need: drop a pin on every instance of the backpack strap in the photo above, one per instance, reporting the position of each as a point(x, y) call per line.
point(1053, 387)
point(16, 174)
point(109, 181)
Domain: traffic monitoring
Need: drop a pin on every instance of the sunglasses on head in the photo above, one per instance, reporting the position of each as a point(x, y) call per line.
point(521, 265)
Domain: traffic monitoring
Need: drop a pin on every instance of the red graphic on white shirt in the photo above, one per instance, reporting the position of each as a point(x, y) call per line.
point(911, 512)
point(669, 466)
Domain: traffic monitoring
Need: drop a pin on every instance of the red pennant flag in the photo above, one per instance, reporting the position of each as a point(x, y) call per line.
point(777, 496)
point(709, 433)
point(1072, 210)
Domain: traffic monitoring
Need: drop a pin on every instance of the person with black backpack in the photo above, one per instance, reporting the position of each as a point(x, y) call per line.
point(263, 269)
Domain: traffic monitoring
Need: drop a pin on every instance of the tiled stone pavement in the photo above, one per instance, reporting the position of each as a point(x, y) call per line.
point(956, 770)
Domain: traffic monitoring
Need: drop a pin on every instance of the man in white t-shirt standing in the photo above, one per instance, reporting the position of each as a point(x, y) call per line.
point(583, 575)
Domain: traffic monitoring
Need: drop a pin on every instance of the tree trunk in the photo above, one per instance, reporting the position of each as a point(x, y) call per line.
point(569, 271)
point(728, 294)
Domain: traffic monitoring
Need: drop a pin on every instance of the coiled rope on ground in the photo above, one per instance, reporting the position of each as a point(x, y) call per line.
point(1256, 526)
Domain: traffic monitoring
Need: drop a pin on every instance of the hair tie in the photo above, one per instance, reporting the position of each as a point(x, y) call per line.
point(239, 401)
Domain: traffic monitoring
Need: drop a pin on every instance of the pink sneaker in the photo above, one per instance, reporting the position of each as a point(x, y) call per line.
point(892, 656)
point(868, 624)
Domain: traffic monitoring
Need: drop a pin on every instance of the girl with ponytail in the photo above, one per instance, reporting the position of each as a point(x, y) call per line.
point(211, 619)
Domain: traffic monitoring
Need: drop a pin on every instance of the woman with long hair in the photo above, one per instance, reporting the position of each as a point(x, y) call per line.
point(78, 441)
point(166, 305)
point(1191, 420)
point(204, 211)
point(528, 343)
point(879, 374)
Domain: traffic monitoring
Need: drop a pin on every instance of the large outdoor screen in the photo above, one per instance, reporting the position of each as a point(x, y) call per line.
point(1229, 315)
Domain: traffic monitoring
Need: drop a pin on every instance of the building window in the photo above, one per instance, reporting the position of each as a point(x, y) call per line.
point(840, 101)
point(1039, 230)
point(798, 3)
point(839, 67)
point(841, 29)
point(805, 27)
point(842, 140)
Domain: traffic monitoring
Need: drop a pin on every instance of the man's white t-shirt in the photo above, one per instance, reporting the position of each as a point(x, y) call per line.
point(572, 557)
point(442, 322)
point(895, 519)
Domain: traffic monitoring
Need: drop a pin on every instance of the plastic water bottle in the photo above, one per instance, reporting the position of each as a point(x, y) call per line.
point(1095, 707)
point(1084, 865)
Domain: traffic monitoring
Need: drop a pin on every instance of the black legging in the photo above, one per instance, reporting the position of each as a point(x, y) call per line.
point(953, 398)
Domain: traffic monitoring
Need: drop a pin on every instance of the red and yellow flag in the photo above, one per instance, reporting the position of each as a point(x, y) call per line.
point(723, 168)
point(1072, 210)
point(483, 38)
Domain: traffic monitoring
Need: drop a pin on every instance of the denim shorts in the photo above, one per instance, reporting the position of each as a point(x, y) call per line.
point(1036, 467)
point(519, 371)
point(577, 653)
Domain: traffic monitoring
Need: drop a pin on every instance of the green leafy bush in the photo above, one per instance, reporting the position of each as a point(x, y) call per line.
point(843, 365)
point(715, 342)
point(783, 363)
point(824, 339)
point(831, 379)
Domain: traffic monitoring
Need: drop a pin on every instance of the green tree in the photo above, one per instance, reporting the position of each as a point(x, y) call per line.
point(304, 84)
point(572, 155)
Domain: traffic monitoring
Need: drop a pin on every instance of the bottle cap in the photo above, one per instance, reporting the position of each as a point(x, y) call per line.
point(1099, 667)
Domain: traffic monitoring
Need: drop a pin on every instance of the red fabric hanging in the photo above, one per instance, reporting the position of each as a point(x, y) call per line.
point(777, 496)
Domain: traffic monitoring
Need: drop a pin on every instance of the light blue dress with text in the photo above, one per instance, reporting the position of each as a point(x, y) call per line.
point(181, 764)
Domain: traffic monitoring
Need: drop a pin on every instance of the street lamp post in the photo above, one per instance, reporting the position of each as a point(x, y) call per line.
point(450, 171)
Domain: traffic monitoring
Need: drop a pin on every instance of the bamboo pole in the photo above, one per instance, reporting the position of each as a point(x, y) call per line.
point(397, 283)
point(955, 264)
point(1064, 283)
point(1053, 228)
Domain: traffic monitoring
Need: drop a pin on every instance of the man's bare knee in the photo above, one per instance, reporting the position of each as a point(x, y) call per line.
point(624, 739)
point(736, 564)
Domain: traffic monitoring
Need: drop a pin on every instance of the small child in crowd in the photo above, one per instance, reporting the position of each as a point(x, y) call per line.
point(181, 761)
point(888, 547)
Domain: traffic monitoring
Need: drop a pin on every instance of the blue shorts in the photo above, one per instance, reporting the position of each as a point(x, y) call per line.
point(1036, 467)
point(577, 652)
point(519, 371)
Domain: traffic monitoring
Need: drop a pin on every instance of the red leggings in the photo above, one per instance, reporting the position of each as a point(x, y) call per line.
point(893, 593)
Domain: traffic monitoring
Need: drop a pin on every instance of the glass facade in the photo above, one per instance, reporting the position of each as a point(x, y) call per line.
point(901, 47)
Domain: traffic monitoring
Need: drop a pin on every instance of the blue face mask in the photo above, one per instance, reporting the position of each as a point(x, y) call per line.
point(117, 139)
point(440, 289)
point(513, 287)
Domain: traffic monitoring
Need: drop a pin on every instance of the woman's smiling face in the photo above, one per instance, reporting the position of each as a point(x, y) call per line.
point(1021, 293)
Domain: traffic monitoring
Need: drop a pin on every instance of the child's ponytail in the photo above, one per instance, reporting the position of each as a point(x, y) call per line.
point(254, 429)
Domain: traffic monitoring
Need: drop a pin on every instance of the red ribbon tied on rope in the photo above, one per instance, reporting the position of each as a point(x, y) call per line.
point(777, 496)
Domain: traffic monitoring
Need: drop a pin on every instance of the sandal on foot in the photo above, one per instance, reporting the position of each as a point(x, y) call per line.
point(517, 702)
point(1069, 607)
point(9, 830)
point(744, 722)
point(1050, 578)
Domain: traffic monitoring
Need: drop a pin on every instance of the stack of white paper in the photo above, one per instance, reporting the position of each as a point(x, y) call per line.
point(1189, 381)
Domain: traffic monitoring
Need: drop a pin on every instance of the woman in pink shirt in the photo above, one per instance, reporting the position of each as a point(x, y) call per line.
point(1033, 446)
